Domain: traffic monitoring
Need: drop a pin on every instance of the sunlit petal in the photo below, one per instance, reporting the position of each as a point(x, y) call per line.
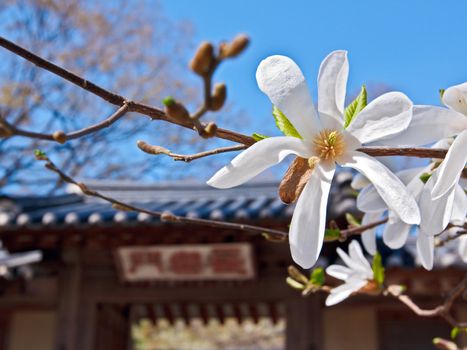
point(282, 81)
point(256, 159)
point(451, 168)
point(385, 116)
point(390, 188)
point(429, 124)
point(332, 81)
point(309, 219)
point(395, 233)
point(339, 272)
point(369, 236)
point(425, 249)
point(455, 98)
point(343, 292)
point(356, 254)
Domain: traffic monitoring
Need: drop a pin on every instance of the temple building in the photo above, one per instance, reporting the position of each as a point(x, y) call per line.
point(120, 280)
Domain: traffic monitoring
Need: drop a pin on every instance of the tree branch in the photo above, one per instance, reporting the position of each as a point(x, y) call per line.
point(443, 310)
point(156, 150)
point(157, 114)
point(164, 216)
point(71, 135)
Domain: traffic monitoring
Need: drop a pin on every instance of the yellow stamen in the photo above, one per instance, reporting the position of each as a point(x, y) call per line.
point(329, 144)
point(312, 161)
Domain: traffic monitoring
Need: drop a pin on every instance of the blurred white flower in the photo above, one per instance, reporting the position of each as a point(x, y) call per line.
point(356, 274)
point(324, 142)
point(436, 213)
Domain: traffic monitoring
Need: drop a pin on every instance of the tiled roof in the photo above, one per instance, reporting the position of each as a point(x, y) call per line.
point(250, 201)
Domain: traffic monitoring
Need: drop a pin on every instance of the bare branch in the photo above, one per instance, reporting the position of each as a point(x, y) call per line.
point(344, 234)
point(419, 152)
point(157, 114)
point(164, 216)
point(67, 136)
point(443, 310)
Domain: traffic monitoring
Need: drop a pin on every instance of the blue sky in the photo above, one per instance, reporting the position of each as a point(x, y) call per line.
point(414, 46)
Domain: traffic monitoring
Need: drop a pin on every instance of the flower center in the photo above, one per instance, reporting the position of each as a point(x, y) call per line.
point(329, 144)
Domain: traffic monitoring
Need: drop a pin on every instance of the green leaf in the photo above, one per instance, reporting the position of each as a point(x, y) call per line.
point(258, 137)
point(40, 155)
point(332, 234)
point(454, 332)
point(317, 276)
point(283, 124)
point(441, 94)
point(378, 269)
point(352, 220)
point(355, 107)
point(425, 177)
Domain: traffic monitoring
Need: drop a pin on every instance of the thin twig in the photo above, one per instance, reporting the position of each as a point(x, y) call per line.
point(71, 135)
point(344, 234)
point(443, 310)
point(165, 216)
point(156, 150)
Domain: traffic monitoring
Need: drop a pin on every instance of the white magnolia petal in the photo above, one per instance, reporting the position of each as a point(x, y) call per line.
point(257, 158)
point(282, 81)
point(308, 223)
point(369, 200)
point(389, 187)
point(429, 124)
point(455, 98)
point(426, 249)
point(339, 272)
point(356, 254)
point(359, 181)
point(353, 265)
point(459, 208)
point(395, 234)
point(435, 213)
point(407, 175)
point(451, 168)
point(332, 81)
point(387, 115)
point(463, 248)
point(369, 236)
point(343, 292)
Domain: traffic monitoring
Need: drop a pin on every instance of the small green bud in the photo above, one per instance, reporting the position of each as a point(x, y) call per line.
point(167, 101)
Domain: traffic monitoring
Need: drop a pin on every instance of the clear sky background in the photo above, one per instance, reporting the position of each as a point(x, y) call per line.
point(414, 46)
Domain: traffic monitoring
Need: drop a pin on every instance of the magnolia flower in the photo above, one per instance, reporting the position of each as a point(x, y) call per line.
point(324, 142)
point(436, 213)
point(430, 124)
point(356, 275)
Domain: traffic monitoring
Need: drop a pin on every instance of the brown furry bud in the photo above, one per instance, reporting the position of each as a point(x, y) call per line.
point(218, 97)
point(236, 47)
point(59, 136)
point(204, 57)
point(167, 216)
point(210, 130)
point(176, 110)
point(145, 147)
